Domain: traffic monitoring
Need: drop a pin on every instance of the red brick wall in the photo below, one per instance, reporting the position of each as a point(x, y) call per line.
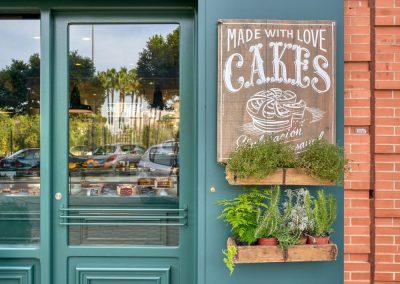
point(372, 141)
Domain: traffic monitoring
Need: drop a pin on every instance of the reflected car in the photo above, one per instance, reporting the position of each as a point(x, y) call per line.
point(25, 159)
point(161, 159)
point(28, 160)
point(80, 150)
point(76, 161)
point(115, 155)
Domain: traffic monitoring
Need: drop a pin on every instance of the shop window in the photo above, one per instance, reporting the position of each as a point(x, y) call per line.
point(19, 129)
point(123, 132)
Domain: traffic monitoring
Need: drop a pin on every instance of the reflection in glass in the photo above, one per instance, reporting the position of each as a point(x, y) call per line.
point(19, 131)
point(123, 134)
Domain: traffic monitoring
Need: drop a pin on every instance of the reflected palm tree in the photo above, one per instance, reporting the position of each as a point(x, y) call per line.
point(123, 86)
point(106, 84)
point(127, 83)
point(112, 75)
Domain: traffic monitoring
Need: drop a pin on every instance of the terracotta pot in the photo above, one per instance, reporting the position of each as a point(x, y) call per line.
point(318, 240)
point(303, 240)
point(267, 241)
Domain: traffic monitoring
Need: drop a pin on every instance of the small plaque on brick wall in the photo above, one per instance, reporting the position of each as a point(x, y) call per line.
point(275, 79)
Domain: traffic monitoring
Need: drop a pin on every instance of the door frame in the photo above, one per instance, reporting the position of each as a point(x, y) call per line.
point(57, 131)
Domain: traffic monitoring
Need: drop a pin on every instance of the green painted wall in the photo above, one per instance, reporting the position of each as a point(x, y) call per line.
point(213, 232)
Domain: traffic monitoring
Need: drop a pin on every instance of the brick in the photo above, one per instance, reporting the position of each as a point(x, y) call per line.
point(384, 57)
point(360, 56)
point(387, 12)
point(357, 267)
point(356, 3)
point(384, 258)
point(385, 112)
point(387, 231)
point(358, 39)
point(359, 257)
point(387, 85)
point(387, 213)
point(383, 222)
point(383, 276)
point(383, 3)
point(384, 204)
point(356, 194)
point(360, 276)
point(384, 167)
point(360, 20)
point(352, 11)
point(360, 221)
point(385, 249)
point(389, 267)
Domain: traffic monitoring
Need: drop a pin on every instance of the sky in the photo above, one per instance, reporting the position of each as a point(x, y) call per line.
point(19, 40)
point(115, 45)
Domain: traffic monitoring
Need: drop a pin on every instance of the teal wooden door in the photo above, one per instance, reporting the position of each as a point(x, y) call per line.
point(123, 138)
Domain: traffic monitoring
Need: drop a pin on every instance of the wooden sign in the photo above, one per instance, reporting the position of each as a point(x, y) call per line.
point(275, 79)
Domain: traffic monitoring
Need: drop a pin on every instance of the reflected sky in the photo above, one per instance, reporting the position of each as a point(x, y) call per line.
point(19, 40)
point(115, 45)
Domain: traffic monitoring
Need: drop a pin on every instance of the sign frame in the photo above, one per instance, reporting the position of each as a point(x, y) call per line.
point(322, 38)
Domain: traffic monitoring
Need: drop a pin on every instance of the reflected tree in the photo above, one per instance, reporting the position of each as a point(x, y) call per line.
point(19, 86)
point(83, 77)
point(158, 68)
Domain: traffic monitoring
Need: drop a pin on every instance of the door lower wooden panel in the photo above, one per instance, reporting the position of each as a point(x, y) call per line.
point(19, 271)
point(123, 275)
point(122, 271)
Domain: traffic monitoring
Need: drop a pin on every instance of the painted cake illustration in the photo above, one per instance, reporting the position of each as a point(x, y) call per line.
point(275, 110)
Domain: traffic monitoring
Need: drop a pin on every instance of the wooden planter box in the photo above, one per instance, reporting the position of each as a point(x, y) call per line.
point(298, 253)
point(290, 176)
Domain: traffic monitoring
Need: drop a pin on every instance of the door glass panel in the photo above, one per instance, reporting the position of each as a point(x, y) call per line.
point(19, 130)
point(123, 134)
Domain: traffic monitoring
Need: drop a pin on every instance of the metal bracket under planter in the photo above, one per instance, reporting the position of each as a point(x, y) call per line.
point(282, 176)
point(298, 253)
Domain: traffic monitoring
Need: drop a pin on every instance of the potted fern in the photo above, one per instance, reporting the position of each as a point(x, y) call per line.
point(241, 214)
point(323, 215)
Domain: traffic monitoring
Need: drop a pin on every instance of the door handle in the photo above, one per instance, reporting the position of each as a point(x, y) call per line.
point(58, 196)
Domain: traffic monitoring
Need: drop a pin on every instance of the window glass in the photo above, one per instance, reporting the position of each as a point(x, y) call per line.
point(19, 130)
point(124, 134)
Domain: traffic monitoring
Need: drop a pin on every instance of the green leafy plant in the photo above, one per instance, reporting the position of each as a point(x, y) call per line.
point(261, 159)
point(241, 214)
point(296, 212)
point(286, 237)
point(323, 214)
point(269, 221)
point(323, 160)
point(320, 159)
point(230, 254)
